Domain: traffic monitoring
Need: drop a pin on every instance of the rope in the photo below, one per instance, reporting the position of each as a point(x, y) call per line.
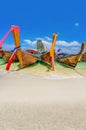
point(6, 35)
point(80, 73)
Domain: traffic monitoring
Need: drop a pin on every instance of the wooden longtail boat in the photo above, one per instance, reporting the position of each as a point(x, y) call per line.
point(24, 58)
point(72, 60)
point(48, 57)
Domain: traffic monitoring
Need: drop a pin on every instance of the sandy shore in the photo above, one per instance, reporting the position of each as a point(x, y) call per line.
point(42, 104)
point(37, 99)
point(42, 90)
point(42, 117)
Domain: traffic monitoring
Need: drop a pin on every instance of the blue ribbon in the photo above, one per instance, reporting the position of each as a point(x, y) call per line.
point(16, 48)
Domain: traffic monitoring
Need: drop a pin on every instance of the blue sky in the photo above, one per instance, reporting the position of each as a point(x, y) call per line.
point(41, 18)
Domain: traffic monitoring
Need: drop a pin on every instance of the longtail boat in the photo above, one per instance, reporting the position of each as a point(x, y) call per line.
point(24, 58)
point(72, 60)
point(49, 57)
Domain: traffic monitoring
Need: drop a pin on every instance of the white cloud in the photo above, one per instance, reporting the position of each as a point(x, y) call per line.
point(75, 49)
point(34, 42)
point(29, 42)
point(8, 47)
point(48, 38)
point(66, 47)
point(69, 51)
point(45, 42)
point(39, 38)
point(67, 44)
point(76, 24)
point(48, 41)
point(65, 50)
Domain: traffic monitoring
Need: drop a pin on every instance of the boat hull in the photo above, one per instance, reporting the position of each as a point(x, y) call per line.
point(7, 55)
point(83, 59)
point(1, 53)
point(46, 58)
point(70, 60)
point(27, 59)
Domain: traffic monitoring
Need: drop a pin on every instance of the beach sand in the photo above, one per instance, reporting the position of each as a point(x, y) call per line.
point(37, 99)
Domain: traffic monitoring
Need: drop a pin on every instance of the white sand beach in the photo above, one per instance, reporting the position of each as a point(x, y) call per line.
point(43, 101)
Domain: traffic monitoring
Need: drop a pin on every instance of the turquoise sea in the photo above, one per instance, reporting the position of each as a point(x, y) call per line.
point(42, 70)
point(80, 64)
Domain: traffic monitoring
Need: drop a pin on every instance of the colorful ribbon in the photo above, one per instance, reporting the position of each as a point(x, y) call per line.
point(12, 58)
point(17, 28)
point(3, 39)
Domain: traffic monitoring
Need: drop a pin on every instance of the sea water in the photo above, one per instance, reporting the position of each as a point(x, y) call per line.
point(41, 71)
point(81, 64)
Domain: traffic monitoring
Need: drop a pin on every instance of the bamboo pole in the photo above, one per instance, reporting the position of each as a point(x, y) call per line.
point(52, 50)
point(81, 51)
point(16, 35)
